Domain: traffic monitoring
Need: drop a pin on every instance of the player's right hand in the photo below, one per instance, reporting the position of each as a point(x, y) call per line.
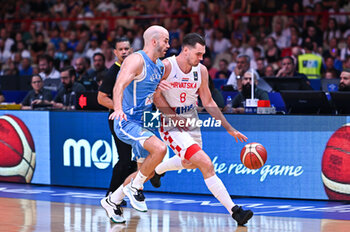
point(118, 114)
point(164, 85)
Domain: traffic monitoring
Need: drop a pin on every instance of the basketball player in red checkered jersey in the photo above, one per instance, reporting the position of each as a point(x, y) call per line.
point(186, 78)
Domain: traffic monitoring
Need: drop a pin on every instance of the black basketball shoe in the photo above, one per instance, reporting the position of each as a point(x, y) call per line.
point(240, 215)
point(155, 180)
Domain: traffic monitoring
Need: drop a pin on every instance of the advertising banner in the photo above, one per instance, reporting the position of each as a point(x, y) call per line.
point(24, 146)
point(307, 156)
point(295, 146)
point(83, 152)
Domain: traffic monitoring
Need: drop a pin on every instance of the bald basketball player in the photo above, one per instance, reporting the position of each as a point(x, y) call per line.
point(133, 92)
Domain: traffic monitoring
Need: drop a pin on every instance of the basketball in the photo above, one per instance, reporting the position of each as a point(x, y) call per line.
point(253, 155)
point(336, 165)
point(17, 152)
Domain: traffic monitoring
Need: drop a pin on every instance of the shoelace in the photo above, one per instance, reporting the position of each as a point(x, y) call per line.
point(139, 196)
point(118, 210)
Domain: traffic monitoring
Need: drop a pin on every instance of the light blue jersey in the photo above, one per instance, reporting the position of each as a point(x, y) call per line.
point(138, 95)
point(137, 98)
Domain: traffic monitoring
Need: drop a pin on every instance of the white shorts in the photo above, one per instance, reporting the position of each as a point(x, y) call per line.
point(179, 141)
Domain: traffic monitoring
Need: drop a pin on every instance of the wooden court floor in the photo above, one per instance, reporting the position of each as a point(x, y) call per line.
point(47, 214)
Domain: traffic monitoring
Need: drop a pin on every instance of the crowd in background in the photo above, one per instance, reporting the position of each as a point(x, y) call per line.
point(65, 33)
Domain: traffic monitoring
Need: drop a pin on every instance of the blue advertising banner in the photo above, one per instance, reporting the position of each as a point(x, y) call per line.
point(24, 153)
point(77, 149)
point(83, 151)
point(294, 144)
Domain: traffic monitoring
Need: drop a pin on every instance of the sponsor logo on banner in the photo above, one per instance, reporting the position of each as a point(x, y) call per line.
point(74, 151)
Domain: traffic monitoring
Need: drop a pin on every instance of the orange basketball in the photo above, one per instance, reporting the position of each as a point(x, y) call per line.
point(253, 155)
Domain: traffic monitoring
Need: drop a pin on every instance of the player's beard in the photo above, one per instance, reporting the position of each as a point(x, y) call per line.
point(343, 87)
point(160, 50)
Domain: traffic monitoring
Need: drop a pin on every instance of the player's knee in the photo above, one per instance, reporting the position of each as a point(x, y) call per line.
point(208, 167)
point(160, 149)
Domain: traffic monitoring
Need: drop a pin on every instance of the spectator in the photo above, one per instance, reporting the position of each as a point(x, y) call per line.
point(314, 35)
point(8, 42)
point(288, 70)
point(61, 56)
point(207, 62)
point(345, 51)
point(243, 65)
point(281, 39)
point(73, 41)
point(260, 66)
point(223, 72)
point(46, 68)
point(39, 46)
point(332, 30)
point(252, 47)
point(55, 37)
point(245, 93)
point(93, 48)
point(79, 50)
point(10, 68)
point(4, 54)
point(347, 62)
point(66, 95)
point(331, 74)
point(272, 53)
point(81, 69)
point(37, 96)
point(26, 68)
point(310, 64)
point(269, 71)
point(330, 65)
point(22, 49)
point(344, 84)
point(99, 66)
point(220, 43)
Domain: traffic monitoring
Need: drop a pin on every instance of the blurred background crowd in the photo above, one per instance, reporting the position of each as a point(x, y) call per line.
point(42, 36)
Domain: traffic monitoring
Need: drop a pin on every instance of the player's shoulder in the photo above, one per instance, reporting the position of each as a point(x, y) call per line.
point(134, 58)
point(203, 69)
point(167, 67)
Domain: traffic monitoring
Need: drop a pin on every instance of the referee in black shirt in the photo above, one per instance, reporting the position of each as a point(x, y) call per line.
point(125, 166)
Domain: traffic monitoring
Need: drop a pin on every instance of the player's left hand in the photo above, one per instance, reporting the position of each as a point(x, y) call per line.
point(238, 135)
point(164, 85)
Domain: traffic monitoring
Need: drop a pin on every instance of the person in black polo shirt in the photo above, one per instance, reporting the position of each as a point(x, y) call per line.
point(125, 166)
point(66, 95)
point(37, 96)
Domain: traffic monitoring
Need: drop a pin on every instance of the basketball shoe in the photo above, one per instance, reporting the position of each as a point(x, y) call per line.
point(114, 211)
point(240, 215)
point(155, 180)
point(136, 197)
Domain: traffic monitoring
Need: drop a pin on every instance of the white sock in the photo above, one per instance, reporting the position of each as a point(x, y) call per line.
point(174, 163)
point(217, 188)
point(118, 195)
point(139, 180)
